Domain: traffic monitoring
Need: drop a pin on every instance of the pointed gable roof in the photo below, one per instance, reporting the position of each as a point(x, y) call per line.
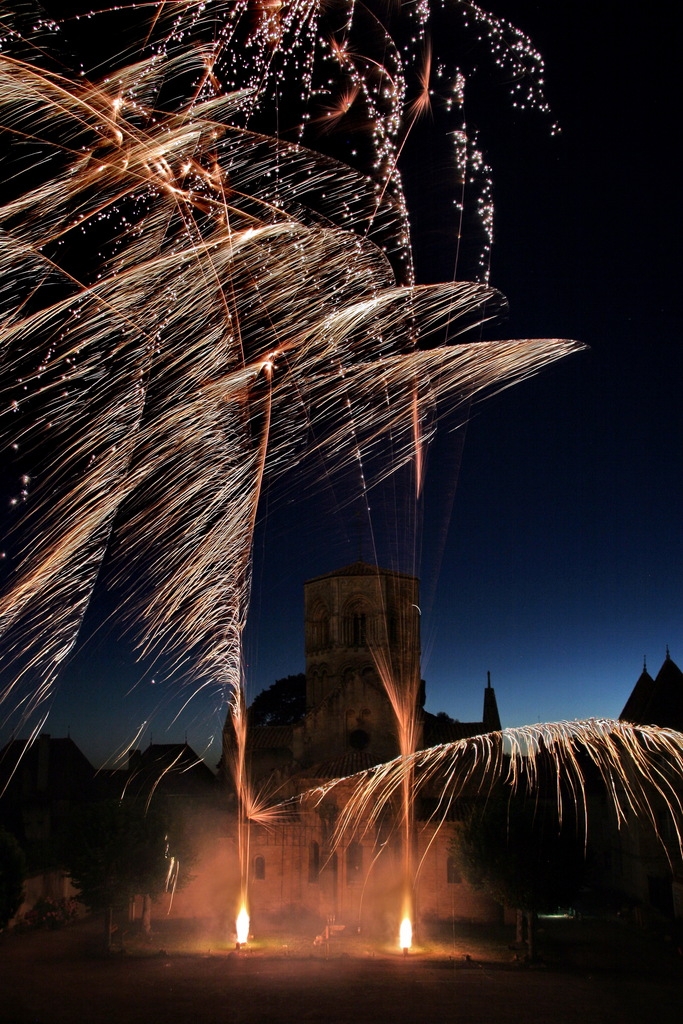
point(657, 701)
point(640, 695)
point(169, 769)
point(51, 768)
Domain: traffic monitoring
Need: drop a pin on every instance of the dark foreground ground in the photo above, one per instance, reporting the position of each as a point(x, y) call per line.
point(594, 973)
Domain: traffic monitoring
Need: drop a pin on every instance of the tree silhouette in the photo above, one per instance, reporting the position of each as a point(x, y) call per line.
point(514, 847)
point(283, 703)
point(115, 850)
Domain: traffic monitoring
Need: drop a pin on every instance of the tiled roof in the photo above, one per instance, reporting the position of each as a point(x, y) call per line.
point(440, 730)
point(350, 763)
point(269, 737)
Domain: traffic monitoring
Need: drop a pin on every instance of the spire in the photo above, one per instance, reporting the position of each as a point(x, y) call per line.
point(657, 701)
point(491, 717)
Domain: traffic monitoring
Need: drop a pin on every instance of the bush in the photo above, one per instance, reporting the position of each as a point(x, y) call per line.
point(51, 913)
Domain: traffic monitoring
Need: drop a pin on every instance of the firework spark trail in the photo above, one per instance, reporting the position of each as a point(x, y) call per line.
point(195, 299)
point(138, 284)
point(640, 768)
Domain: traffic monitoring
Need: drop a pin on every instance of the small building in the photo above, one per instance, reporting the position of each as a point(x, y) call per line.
point(40, 784)
point(169, 771)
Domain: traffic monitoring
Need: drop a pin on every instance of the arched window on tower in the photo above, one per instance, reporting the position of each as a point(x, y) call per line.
point(356, 624)
point(319, 628)
point(259, 868)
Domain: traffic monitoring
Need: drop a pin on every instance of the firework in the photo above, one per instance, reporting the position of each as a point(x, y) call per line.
point(203, 289)
point(640, 769)
point(153, 243)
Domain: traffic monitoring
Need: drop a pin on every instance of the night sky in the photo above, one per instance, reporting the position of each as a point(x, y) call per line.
point(551, 552)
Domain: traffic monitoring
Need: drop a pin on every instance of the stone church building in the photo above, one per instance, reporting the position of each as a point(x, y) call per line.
point(358, 620)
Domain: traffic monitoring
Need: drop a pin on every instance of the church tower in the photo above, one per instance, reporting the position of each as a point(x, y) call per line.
point(362, 628)
point(362, 648)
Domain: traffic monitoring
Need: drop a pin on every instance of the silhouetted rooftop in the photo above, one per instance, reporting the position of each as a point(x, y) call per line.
point(171, 769)
point(438, 729)
point(657, 701)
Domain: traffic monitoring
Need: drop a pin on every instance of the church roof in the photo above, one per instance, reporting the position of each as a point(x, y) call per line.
point(361, 568)
point(657, 701)
point(52, 767)
point(268, 737)
point(349, 763)
point(171, 769)
point(439, 730)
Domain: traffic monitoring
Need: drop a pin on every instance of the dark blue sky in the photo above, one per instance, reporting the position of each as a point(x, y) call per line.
point(559, 564)
point(562, 566)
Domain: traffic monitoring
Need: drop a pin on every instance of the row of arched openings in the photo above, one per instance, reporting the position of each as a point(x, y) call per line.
point(359, 625)
point(259, 867)
point(354, 865)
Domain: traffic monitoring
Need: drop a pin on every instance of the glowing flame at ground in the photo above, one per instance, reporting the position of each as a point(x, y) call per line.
point(406, 933)
point(242, 926)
